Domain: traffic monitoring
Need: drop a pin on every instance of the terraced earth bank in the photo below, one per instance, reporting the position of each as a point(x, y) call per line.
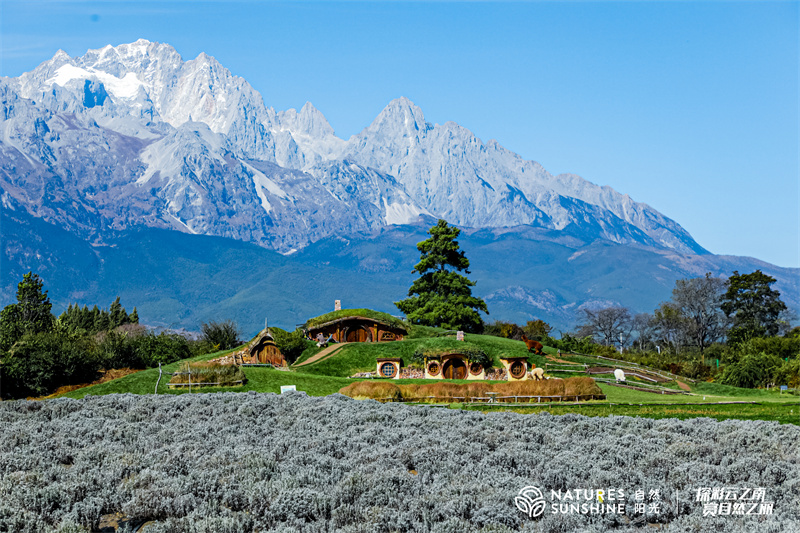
point(265, 462)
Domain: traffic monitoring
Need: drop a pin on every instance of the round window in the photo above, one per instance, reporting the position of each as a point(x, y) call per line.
point(475, 368)
point(517, 369)
point(434, 368)
point(388, 370)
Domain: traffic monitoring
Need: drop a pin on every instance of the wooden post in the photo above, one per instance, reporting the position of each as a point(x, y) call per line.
point(159, 377)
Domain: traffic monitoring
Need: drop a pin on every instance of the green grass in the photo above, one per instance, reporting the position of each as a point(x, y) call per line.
point(144, 382)
point(619, 394)
point(330, 375)
point(783, 413)
point(259, 379)
point(715, 389)
point(416, 331)
point(368, 313)
point(308, 353)
point(360, 357)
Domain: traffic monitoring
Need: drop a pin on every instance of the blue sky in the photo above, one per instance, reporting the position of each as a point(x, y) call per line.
point(690, 107)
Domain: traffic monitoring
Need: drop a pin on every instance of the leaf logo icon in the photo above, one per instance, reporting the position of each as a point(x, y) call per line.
point(530, 501)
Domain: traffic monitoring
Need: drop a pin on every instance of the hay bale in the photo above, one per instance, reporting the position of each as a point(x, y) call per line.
point(443, 391)
point(208, 372)
point(372, 390)
point(581, 386)
point(548, 387)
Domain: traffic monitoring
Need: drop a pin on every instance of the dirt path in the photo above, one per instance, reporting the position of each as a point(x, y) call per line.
point(323, 354)
point(555, 359)
point(106, 375)
point(683, 385)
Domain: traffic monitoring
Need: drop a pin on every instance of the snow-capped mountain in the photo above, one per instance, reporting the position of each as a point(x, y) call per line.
point(133, 135)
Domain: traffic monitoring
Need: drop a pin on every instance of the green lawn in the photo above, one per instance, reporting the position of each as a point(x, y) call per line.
point(784, 413)
point(330, 375)
point(259, 379)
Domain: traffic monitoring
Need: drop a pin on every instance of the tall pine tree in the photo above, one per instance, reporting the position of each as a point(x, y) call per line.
point(441, 296)
point(31, 313)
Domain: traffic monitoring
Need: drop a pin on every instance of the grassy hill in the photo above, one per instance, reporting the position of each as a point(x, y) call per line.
point(360, 357)
point(329, 375)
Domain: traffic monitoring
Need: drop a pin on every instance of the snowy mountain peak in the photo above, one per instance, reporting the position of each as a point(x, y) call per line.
point(143, 94)
point(61, 55)
point(308, 121)
point(401, 115)
point(140, 57)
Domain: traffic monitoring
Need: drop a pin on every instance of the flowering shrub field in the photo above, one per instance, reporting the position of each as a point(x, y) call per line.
point(264, 462)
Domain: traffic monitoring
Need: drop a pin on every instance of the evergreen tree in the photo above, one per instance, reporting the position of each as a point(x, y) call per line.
point(86, 319)
point(441, 296)
point(31, 313)
point(753, 305)
point(103, 322)
point(117, 315)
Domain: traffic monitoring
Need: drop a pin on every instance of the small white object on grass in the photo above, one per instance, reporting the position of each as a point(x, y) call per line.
point(619, 374)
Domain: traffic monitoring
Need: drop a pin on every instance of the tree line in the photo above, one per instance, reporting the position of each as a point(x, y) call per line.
point(40, 352)
point(739, 324)
point(736, 331)
point(701, 312)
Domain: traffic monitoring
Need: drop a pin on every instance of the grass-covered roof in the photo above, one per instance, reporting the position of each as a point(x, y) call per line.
point(333, 316)
point(435, 347)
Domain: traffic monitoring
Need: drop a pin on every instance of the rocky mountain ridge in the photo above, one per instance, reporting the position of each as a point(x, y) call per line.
point(133, 134)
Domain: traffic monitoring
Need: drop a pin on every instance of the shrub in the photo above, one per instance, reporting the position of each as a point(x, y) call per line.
point(439, 389)
point(40, 363)
point(250, 462)
point(164, 348)
point(371, 390)
point(752, 371)
point(209, 373)
point(117, 348)
point(572, 343)
point(783, 347)
point(291, 345)
point(789, 374)
point(507, 330)
point(696, 369)
point(221, 335)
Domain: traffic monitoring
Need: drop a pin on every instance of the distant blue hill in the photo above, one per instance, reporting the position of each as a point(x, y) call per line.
point(180, 280)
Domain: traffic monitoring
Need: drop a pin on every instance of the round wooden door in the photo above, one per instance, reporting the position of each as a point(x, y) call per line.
point(358, 335)
point(454, 369)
